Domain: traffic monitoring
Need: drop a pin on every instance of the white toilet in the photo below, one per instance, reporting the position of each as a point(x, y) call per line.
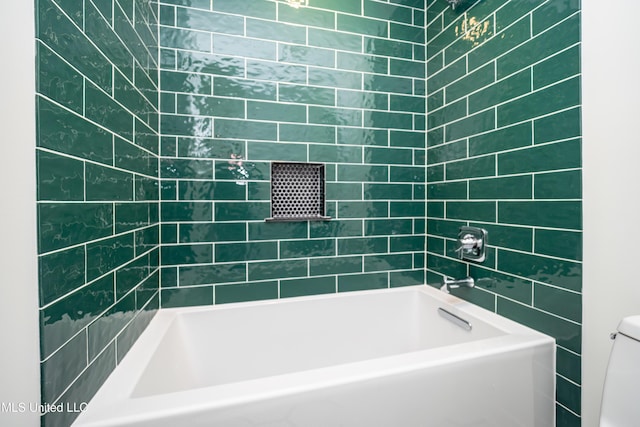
point(620, 399)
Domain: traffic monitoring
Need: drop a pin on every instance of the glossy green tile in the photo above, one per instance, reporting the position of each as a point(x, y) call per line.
point(306, 55)
point(406, 209)
point(338, 265)
point(264, 10)
point(103, 184)
point(244, 129)
point(186, 297)
point(131, 275)
point(335, 153)
point(212, 232)
point(556, 68)
point(568, 364)
point(566, 124)
point(563, 244)
point(446, 153)
point(511, 287)
point(231, 252)
point(559, 302)
point(186, 82)
point(307, 133)
point(277, 230)
point(106, 255)
point(146, 239)
point(501, 139)
point(568, 394)
point(84, 387)
point(276, 112)
point(406, 278)
point(306, 16)
point(558, 185)
point(330, 39)
point(407, 243)
point(335, 116)
point(444, 227)
point(60, 273)
point(368, 245)
point(211, 274)
point(209, 21)
point(187, 254)
point(362, 209)
point(63, 367)
point(446, 266)
point(361, 62)
point(239, 172)
point(447, 114)
point(58, 81)
point(59, 33)
point(447, 191)
point(512, 11)
point(62, 225)
point(337, 5)
point(199, 190)
point(239, 211)
point(560, 96)
point(541, 47)
point(185, 39)
point(414, 104)
point(408, 33)
point(360, 25)
point(388, 191)
point(242, 292)
point(307, 286)
point(474, 211)
point(393, 84)
point(501, 91)
point(210, 106)
point(392, 156)
point(557, 214)
point(186, 168)
point(307, 248)
point(63, 131)
point(471, 168)
point(334, 78)
point(343, 191)
point(388, 262)
point(103, 110)
point(561, 273)
point(59, 178)
point(335, 228)
point(260, 150)
point(387, 11)
point(361, 282)
point(130, 216)
point(302, 94)
point(275, 71)
point(210, 148)
point(503, 42)
point(277, 269)
point(567, 334)
point(560, 155)
point(244, 88)
point(210, 64)
point(130, 157)
point(186, 211)
point(407, 174)
point(517, 187)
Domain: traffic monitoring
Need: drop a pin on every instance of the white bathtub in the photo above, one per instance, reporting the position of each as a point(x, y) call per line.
point(373, 358)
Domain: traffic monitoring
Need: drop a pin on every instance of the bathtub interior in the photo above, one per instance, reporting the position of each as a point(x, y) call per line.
point(239, 342)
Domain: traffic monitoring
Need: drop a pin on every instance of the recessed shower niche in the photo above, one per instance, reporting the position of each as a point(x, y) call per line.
point(297, 192)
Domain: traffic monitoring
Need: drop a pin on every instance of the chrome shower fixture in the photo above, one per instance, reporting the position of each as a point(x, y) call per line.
point(454, 3)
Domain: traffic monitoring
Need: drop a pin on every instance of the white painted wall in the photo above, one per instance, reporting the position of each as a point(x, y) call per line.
point(611, 161)
point(19, 348)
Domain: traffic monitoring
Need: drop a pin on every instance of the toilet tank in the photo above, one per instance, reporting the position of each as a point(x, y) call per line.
point(620, 404)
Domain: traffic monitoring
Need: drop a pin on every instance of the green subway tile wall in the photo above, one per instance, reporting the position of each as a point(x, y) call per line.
point(158, 121)
point(98, 193)
point(504, 153)
point(246, 83)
